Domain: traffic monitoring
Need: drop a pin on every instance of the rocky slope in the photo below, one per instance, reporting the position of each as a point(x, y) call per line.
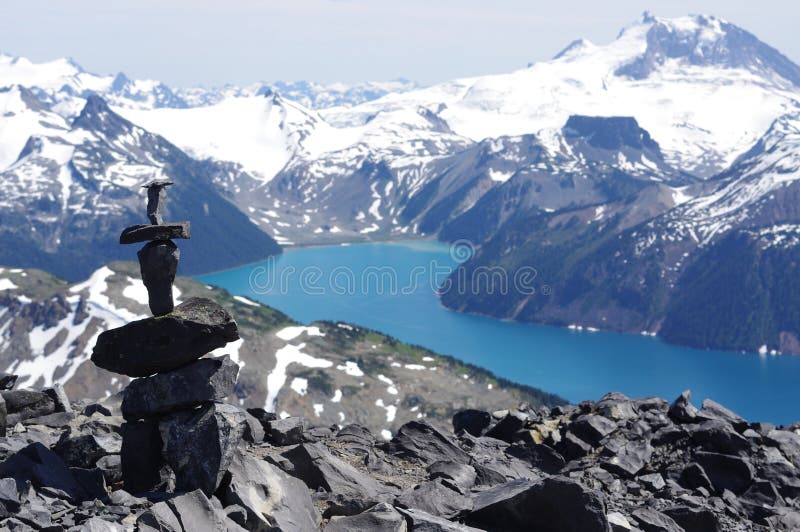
point(332, 373)
point(617, 464)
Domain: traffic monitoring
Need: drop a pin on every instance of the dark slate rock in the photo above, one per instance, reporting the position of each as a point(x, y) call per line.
point(718, 435)
point(155, 345)
point(202, 381)
point(84, 450)
point(59, 397)
point(253, 430)
point(733, 473)
point(694, 519)
point(420, 441)
point(3, 416)
point(572, 447)
point(554, 504)
point(97, 524)
point(694, 476)
point(462, 475)
point(144, 233)
point(669, 434)
point(111, 466)
point(196, 513)
point(9, 494)
point(8, 381)
point(143, 467)
point(158, 261)
point(319, 469)
point(24, 404)
point(651, 520)
point(630, 459)
point(616, 406)
point(55, 420)
point(212, 432)
point(713, 410)
point(272, 499)
point(96, 408)
point(435, 498)
point(262, 416)
point(539, 456)
point(592, 428)
point(788, 442)
point(681, 410)
point(92, 481)
point(473, 421)
point(41, 467)
point(652, 481)
point(773, 466)
point(508, 427)
point(287, 431)
point(381, 517)
point(425, 522)
point(158, 517)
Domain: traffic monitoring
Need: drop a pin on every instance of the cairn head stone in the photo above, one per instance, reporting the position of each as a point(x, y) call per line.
point(156, 199)
point(158, 261)
point(144, 233)
point(164, 343)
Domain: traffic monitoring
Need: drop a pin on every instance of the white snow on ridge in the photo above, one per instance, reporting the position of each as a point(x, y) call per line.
point(288, 354)
point(290, 333)
point(7, 284)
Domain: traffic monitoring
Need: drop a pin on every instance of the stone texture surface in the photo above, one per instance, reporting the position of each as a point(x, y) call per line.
point(154, 345)
point(201, 381)
point(158, 261)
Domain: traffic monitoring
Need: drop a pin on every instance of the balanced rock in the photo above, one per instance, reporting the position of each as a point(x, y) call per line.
point(159, 344)
point(199, 444)
point(145, 233)
point(143, 466)
point(201, 381)
point(158, 261)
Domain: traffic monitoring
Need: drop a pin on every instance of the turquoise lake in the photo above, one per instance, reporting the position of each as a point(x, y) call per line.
point(390, 287)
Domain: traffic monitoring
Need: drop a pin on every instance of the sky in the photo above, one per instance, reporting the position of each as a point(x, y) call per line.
point(213, 42)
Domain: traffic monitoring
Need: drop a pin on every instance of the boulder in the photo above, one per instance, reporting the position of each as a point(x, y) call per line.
point(319, 469)
point(144, 233)
point(435, 498)
point(630, 459)
point(694, 519)
point(143, 466)
point(199, 444)
point(202, 381)
point(158, 518)
point(158, 261)
point(85, 449)
point(473, 421)
point(59, 397)
point(381, 517)
point(272, 499)
point(41, 467)
point(718, 435)
point(616, 406)
point(462, 475)
point(592, 428)
point(507, 428)
point(572, 447)
point(733, 473)
point(8, 381)
point(287, 431)
point(24, 404)
point(419, 441)
point(425, 522)
point(196, 513)
point(253, 430)
point(787, 442)
point(711, 410)
point(554, 504)
point(694, 476)
point(539, 456)
point(681, 410)
point(651, 520)
point(159, 344)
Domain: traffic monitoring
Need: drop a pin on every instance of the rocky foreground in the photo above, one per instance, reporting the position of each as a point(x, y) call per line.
point(615, 464)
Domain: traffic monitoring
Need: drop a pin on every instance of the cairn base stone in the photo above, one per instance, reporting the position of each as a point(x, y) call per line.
point(143, 467)
point(158, 261)
point(201, 381)
point(160, 344)
point(198, 445)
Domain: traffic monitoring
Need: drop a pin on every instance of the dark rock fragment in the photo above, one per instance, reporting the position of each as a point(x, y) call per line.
point(651, 520)
point(41, 467)
point(156, 345)
point(694, 519)
point(382, 517)
point(204, 380)
point(435, 498)
point(144, 233)
point(681, 410)
point(287, 431)
point(143, 467)
point(158, 261)
point(733, 473)
point(198, 444)
point(420, 441)
point(24, 404)
point(554, 504)
point(473, 421)
point(592, 428)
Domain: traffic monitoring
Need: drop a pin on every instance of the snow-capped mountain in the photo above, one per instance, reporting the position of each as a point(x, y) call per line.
point(73, 186)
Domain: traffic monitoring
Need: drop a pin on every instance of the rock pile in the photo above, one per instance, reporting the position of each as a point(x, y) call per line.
point(178, 435)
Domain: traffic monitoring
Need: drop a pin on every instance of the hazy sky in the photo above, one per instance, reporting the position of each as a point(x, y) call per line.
point(211, 42)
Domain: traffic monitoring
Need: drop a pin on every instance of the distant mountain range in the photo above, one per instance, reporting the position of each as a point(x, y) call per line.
point(643, 179)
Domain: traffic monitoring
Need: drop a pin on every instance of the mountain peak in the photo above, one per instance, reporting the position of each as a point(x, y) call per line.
point(704, 40)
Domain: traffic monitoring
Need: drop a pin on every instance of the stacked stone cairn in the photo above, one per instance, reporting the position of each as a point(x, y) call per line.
point(178, 436)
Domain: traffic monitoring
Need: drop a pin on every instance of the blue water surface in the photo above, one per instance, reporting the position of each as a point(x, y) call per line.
point(390, 287)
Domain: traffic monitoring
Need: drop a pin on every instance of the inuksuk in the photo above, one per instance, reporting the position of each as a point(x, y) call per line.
point(178, 435)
